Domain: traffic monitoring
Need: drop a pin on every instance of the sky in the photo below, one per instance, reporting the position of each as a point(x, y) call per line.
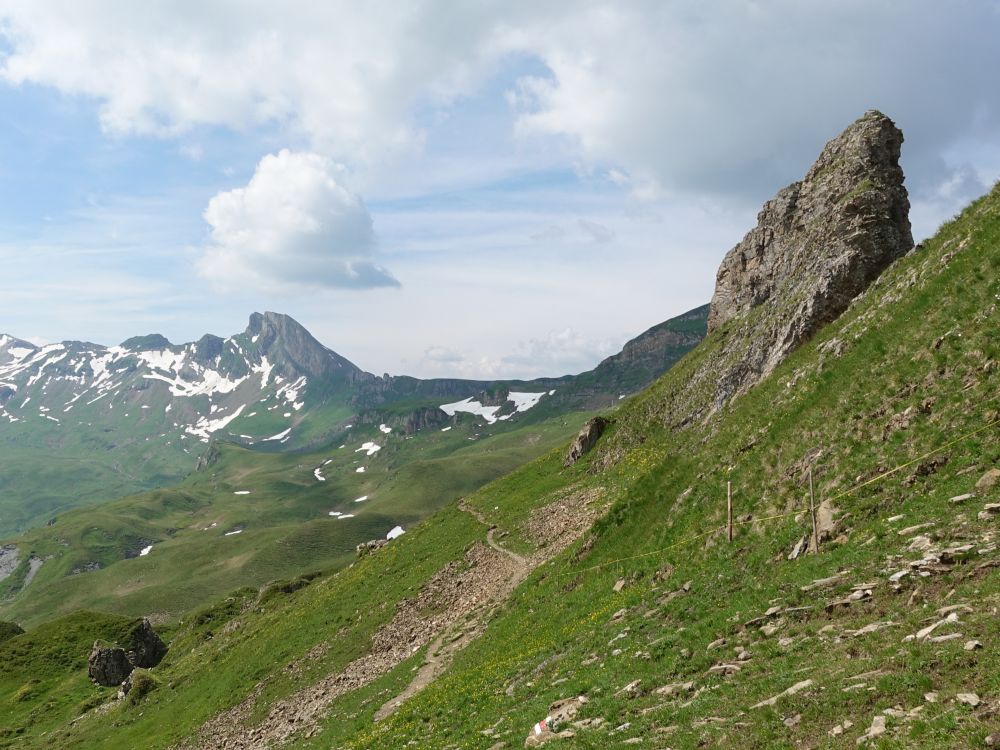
point(483, 189)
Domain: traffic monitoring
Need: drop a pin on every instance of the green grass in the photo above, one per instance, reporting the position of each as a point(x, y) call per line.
point(287, 529)
point(923, 337)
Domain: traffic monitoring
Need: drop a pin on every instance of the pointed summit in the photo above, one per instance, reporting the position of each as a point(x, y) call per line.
point(285, 340)
point(820, 242)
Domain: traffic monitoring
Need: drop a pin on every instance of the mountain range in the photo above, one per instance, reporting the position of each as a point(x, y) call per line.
point(141, 414)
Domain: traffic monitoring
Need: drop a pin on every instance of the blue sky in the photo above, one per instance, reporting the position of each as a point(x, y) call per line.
point(484, 190)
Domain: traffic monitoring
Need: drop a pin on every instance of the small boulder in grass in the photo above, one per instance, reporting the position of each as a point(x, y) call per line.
point(988, 481)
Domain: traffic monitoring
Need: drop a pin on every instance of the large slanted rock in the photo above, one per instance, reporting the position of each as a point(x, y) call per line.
point(817, 246)
point(586, 440)
point(147, 649)
point(108, 666)
point(818, 243)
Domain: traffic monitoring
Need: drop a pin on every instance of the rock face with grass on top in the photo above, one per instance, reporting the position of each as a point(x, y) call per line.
point(817, 245)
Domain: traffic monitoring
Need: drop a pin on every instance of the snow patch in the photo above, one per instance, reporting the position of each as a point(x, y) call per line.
point(281, 435)
point(319, 475)
point(360, 470)
point(385, 428)
point(145, 551)
point(242, 492)
point(361, 499)
point(370, 448)
point(471, 407)
point(397, 531)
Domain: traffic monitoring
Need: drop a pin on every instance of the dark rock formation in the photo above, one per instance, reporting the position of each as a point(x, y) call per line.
point(818, 243)
point(108, 666)
point(586, 439)
point(147, 648)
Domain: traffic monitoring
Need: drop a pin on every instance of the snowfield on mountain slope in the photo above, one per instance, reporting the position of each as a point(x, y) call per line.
point(522, 402)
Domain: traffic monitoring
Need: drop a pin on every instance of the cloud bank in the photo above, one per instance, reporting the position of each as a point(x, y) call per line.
point(293, 225)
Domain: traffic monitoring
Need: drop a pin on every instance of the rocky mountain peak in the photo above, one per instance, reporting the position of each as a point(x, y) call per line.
point(820, 242)
point(285, 340)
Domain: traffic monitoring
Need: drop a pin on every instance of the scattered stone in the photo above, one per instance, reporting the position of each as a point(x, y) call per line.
point(877, 729)
point(911, 530)
point(792, 721)
point(961, 498)
point(969, 699)
point(855, 596)
point(925, 633)
point(799, 548)
point(991, 510)
point(893, 519)
point(724, 669)
point(822, 582)
point(632, 690)
point(931, 697)
point(619, 585)
point(944, 638)
point(871, 628)
point(796, 688)
point(841, 728)
point(619, 614)
point(988, 481)
point(674, 688)
point(719, 642)
point(920, 543)
point(973, 645)
point(772, 628)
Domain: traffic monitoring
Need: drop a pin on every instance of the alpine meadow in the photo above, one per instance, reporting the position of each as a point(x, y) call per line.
point(688, 432)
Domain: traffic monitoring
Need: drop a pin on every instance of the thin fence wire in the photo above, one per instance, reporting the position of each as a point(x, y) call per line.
point(848, 491)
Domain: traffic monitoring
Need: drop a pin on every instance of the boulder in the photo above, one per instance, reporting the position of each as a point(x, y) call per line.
point(988, 481)
point(108, 666)
point(586, 440)
point(147, 649)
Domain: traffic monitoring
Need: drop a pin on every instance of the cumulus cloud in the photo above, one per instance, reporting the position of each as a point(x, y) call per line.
point(294, 224)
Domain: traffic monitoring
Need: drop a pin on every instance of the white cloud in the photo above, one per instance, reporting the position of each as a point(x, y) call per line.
point(294, 224)
point(729, 98)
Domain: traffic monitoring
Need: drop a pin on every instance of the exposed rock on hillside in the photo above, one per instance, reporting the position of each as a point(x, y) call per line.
point(110, 665)
point(148, 649)
point(817, 245)
point(586, 440)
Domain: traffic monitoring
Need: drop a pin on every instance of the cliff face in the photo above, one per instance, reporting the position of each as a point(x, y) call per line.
point(817, 245)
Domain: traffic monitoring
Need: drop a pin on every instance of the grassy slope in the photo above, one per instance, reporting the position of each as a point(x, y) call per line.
point(926, 331)
point(287, 527)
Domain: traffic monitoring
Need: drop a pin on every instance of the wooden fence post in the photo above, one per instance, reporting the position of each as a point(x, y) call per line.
point(812, 512)
point(729, 508)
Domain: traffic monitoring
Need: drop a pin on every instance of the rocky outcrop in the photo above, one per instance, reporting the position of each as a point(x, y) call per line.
point(148, 649)
point(586, 440)
point(108, 666)
point(818, 243)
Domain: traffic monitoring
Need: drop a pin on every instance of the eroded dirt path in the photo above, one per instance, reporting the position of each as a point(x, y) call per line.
point(451, 610)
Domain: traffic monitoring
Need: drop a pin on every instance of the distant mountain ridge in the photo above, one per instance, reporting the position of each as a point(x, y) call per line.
point(138, 414)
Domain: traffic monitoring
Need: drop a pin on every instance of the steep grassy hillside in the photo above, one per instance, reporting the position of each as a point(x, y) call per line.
point(675, 637)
